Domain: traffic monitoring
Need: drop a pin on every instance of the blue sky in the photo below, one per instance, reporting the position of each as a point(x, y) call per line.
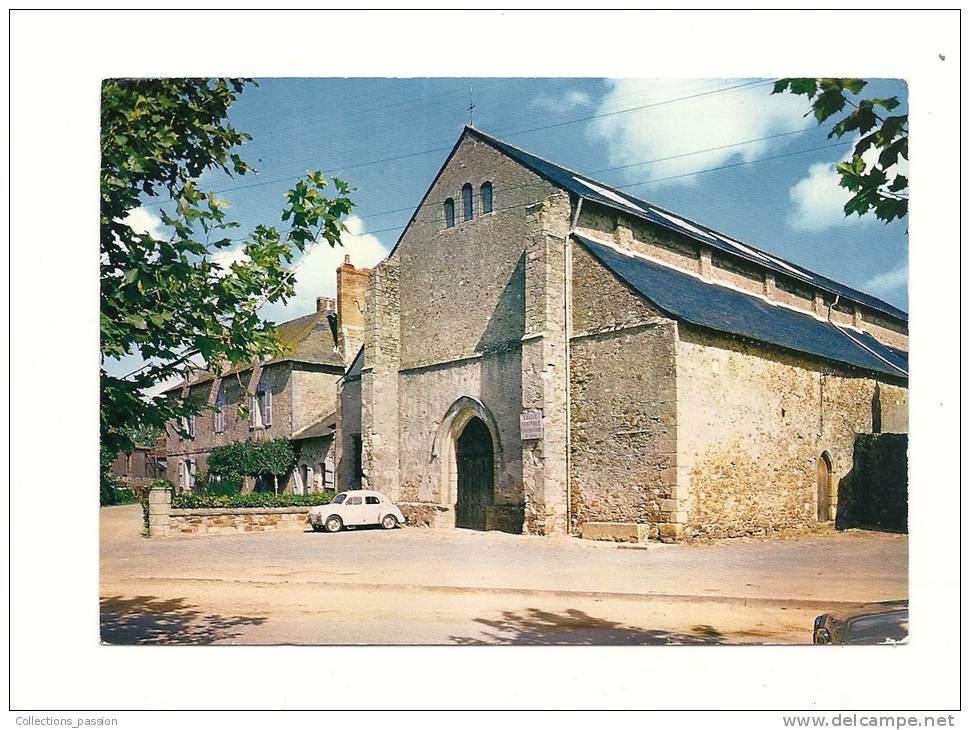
point(696, 146)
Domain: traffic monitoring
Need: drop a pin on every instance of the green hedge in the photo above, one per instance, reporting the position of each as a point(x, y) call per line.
point(112, 495)
point(253, 499)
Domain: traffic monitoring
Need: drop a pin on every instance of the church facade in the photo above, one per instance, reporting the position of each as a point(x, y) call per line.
point(545, 354)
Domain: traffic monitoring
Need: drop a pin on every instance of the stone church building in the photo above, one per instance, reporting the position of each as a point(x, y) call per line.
point(546, 354)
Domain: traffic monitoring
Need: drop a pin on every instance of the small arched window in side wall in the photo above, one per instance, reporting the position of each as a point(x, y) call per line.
point(468, 211)
point(449, 213)
point(486, 197)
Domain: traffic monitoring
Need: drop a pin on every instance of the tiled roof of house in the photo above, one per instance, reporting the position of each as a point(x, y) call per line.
point(713, 306)
point(306, 339)
point(616, 199)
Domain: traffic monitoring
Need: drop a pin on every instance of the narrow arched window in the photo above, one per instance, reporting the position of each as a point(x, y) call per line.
point(486, 197)
point(468, 212)
point(449, 213)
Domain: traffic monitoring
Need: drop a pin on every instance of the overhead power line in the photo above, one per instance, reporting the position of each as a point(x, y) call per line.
point(666, 158)
point(643, 182)
point(618, 187)
point(511, 133)
point(369, 131)
point(508, 188)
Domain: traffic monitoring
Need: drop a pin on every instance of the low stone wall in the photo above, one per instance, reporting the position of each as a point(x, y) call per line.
point(427, 514)
point(231, 521)
point(619, 531)
point(167, 522)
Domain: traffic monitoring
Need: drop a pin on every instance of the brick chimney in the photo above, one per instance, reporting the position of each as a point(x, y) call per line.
point(326, 304)
point(351, 287)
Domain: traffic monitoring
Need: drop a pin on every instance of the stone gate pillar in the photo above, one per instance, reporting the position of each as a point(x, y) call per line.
point(159, 510)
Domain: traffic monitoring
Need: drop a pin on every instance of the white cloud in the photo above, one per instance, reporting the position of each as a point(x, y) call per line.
point(820, 201)
point(316, 271)
point(689, 125)
point(889, 282)
point(143, 221)
point(572, 99)
point(226, 257)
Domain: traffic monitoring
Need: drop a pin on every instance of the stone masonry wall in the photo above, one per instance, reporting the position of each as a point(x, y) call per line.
point(458, 316)
point(228, 522)
point(348, 426)
point(426, 394)
point(163, 521)
point(752, 424)
point(545, 368)
point(314, 452)
point(461, 288)
point(276, 377)
point(314, 395)
point(623, 415)
point(624, 426)
point(379, 381)
point(600, 301)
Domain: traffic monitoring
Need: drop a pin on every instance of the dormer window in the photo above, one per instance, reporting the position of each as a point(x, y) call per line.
point(467, 208)
point(449, 213)
point(486, 194)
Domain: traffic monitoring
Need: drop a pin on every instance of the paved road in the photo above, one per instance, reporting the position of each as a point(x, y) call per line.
point(456, 586)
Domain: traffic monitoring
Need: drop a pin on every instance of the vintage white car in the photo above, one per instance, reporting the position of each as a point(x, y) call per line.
point(356, 508)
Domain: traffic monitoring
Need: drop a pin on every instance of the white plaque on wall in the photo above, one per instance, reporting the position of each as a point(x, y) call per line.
point(530, 424)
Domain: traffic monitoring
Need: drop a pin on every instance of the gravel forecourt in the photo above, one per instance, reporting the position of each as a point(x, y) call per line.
point(420, 586)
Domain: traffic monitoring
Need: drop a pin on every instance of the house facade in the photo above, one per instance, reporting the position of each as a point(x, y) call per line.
point(543, 353)
point(292, 396)
point(142, 466)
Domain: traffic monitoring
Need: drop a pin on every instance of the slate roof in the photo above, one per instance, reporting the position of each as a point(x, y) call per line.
point(603, 194)
point(690, 299)
point(324, 427)
point(306, 339)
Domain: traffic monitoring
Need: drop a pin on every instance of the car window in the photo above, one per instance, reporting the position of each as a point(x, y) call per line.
point(353, 500)
point(372, 500)
point(339, 499)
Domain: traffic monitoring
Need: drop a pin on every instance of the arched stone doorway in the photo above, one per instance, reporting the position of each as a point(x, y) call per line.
point(824, 487)
point(478, 446)
point(475, 461)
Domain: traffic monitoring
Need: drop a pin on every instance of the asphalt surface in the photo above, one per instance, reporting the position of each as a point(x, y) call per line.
point(413, 586)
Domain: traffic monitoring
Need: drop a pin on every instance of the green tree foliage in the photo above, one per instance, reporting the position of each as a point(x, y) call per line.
point(275, 458)
point(164, 297)
point(145, 436)
point(883, 139)
point(237, 459)
point(109, 484)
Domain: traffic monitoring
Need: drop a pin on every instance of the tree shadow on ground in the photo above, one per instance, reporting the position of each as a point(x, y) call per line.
point(152, 620)
point(535, 626)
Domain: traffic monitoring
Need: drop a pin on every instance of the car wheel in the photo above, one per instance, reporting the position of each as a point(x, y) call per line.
point(389, 522)
point(333, 524)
